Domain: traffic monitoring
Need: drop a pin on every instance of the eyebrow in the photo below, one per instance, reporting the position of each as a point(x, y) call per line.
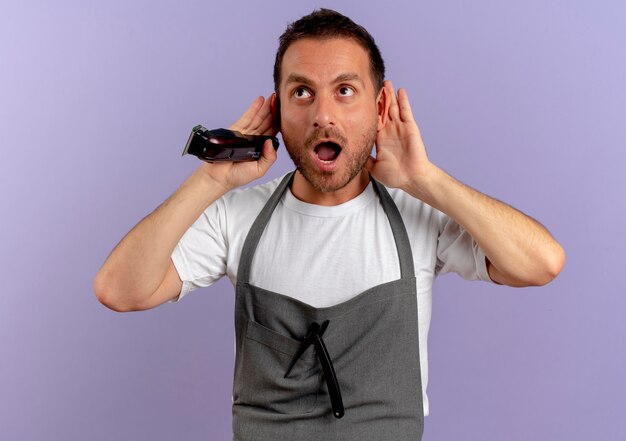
point(348, 76)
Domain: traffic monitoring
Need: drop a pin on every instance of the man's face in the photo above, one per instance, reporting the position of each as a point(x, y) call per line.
point(329, 116)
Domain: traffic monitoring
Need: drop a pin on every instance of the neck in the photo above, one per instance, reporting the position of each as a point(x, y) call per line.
point(304, 191)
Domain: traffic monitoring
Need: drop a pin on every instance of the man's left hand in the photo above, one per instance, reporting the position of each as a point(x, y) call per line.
point(401, 160)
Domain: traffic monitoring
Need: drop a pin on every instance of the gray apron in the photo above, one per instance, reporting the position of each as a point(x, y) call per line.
point(371, 340)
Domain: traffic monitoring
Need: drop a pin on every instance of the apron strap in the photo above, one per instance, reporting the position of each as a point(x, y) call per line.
point(254, 235)
point(403, 245)
point(398, 229)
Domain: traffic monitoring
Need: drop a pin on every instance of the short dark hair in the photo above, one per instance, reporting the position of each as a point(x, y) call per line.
point(326, 24)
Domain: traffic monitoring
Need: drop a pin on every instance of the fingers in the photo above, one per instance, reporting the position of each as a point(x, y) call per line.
point(267, 158)
point(257, 119)
point(405, 106)
point(394, 111)
point(266, 126)
point(400, 107)
point(260, 118)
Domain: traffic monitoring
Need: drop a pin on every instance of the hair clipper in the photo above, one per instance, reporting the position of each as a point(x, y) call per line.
point(220, 145)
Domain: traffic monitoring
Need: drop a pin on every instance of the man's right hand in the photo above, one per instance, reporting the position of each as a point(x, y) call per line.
point(139, 274)
point(257, 120)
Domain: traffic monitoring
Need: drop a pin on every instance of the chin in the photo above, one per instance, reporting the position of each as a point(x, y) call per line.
point(328, 182)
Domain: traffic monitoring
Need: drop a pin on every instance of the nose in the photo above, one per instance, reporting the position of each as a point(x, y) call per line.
point(324, 112)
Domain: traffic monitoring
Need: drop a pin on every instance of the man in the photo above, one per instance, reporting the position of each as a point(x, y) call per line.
point(332, 315)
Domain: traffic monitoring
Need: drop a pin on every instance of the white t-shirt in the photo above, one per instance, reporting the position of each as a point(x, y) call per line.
point(324, 255)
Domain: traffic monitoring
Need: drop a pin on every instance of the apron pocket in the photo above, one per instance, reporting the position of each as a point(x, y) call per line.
point(266, 356)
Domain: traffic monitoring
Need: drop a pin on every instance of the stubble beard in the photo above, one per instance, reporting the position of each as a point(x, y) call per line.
point(329, 181)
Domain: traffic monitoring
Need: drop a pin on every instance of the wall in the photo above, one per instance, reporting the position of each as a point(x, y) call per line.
point(521, 100)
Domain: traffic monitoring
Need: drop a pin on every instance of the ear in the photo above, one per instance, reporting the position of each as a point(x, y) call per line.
point(383, 102)
point(275, 109)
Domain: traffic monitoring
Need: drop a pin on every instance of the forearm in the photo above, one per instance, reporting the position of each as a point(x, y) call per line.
point(138, 274)
point(136, 267)
point(520, 249)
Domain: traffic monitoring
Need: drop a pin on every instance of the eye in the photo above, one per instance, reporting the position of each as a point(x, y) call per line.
point(346, 91)
point(302, 92)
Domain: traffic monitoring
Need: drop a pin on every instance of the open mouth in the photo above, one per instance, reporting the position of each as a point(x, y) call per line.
point(327, 151)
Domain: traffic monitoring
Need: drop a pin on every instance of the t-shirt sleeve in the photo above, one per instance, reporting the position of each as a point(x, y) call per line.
point(458, 252)
point(200, 255)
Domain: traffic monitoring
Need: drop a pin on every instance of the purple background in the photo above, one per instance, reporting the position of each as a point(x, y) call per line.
point(523, 100)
